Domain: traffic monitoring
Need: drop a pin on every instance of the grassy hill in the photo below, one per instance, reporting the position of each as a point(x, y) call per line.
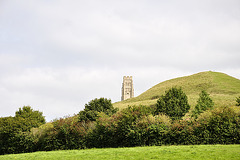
point(223, 89)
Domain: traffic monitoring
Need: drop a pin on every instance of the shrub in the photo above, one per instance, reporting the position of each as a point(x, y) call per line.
point(94, 107)
point(104, 133)
point(238, 101)
point(151, 130)
point(65, 133)
point(117, 130)
point(14, 131)
point(219, 126)
point(204, 102)
point(181, 133)
point(174, 103)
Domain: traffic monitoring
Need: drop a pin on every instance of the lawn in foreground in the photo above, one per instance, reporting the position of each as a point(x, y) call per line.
point(156, 152)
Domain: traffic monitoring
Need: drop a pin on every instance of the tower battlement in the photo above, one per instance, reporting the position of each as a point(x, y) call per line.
point(127, 77)
point(127, 88)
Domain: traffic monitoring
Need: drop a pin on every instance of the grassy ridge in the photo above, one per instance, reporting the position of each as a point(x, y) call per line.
point(222, 88)
point(156, 152)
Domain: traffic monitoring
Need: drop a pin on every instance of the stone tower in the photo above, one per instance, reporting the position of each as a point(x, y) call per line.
point(127, 88)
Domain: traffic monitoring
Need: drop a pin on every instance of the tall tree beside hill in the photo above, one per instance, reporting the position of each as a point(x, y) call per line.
point(238, 101)
point(204, 102)
point(174, 103)
point(94, 107)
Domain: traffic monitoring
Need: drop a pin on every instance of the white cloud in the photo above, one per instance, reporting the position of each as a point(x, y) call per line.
point(58, 55)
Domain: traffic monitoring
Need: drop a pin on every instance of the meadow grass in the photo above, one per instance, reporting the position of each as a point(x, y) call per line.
point(220, 152)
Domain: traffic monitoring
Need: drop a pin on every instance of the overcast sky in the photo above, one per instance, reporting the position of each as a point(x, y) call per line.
point(57, 55)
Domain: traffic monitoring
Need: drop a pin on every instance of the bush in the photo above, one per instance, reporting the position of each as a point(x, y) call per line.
point(181, 133)
point(116, 131)
point(238, 101)
point(204, 102)
point(14, 131)
point(174, 103)
point(35, 117)
point(136, 126)
point(94, 107)
point(220, 126)
point(65, 133)
point(126, 124)
point(104, 133)
point(152, 130)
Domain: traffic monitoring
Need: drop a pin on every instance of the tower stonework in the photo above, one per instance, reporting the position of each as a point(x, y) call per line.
point(127, 88)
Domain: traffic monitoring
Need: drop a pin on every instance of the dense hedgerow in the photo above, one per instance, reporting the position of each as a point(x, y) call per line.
point(217, 126)
point(133, 126)
point(66, 133)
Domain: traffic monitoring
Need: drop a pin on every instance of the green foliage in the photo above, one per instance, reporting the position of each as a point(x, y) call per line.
point(66, 133)
point(133, 126)
point(14, 136)
point(151, 130)
point(94, 107)
point(32, 118)
point(204, 102)
point(136, 126)
point(238, 101)
point(174, 103)
point(126, 122)
point(181, 133)
point(219, 126)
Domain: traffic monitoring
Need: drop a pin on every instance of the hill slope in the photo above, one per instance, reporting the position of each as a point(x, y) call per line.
point(223, 89)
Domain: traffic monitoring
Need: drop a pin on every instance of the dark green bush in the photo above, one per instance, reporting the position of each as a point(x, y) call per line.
point(204, 102)
point(133, 126)
point(238, 101)
point(35, 118)
point(151, 130)
point(174, 103)
point(136, 126)
point(66, 133)
point(104, 133)
point(94, 107)
point(180, 133)
point(219, 126)
point(14, 131)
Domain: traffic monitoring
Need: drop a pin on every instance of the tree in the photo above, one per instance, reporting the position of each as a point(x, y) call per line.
point(204, 102)
point(238, 101)
point(95, 106)
point(32, 118)
point(174, 103)
point(14, 137)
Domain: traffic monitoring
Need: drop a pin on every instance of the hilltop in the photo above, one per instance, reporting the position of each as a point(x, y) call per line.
point(223, 89)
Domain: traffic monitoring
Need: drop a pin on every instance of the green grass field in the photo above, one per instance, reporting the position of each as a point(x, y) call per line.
point(216, 152)
point(223, 89)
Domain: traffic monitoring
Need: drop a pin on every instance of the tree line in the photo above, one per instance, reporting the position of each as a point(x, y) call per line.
point(101, 125)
